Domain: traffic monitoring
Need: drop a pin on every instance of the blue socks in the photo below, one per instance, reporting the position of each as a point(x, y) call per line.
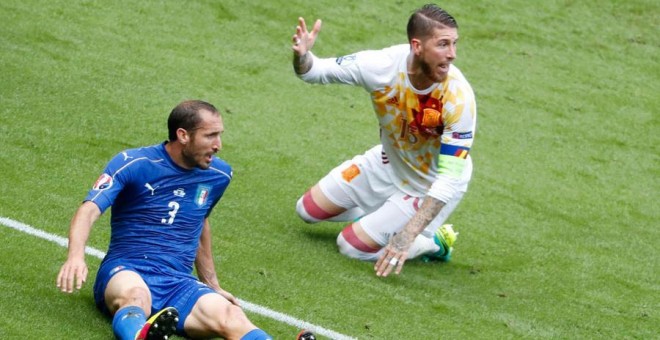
point(127, 322)
point(257, 334)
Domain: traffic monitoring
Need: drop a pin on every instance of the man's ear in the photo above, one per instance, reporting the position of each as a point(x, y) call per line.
point(182, 136)
point(416, 46)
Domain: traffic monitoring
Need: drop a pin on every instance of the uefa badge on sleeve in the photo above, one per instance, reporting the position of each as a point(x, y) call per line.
point(104, 182)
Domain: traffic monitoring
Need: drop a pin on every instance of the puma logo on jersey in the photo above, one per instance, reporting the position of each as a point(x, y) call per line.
point(152, 189)
point(126, 156)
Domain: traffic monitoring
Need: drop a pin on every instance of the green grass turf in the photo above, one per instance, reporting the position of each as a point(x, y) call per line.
point(558, 231)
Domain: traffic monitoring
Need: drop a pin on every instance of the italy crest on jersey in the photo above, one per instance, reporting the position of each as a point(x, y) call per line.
point(202, 195)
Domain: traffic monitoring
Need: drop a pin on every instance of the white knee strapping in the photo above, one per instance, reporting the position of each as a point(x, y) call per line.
point(300, 209)
point(422, 245)
point(347, 249)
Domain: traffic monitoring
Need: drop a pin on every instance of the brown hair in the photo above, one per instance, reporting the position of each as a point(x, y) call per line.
point(424, 20)
point(185, 116)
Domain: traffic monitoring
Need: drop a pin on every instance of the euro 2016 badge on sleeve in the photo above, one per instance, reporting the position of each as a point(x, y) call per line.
point(104, 182)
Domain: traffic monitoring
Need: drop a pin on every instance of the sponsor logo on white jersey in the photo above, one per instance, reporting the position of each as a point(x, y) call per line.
point(345, 60)
point(462, 135)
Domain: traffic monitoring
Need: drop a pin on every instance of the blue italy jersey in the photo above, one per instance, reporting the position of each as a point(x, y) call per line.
point(158, 208)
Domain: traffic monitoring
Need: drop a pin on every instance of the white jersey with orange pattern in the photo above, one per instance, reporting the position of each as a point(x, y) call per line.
point(426, 134)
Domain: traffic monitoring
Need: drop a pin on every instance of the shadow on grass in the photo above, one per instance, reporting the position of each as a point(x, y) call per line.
point(321, 233)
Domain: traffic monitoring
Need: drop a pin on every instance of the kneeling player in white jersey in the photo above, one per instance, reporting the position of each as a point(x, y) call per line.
point(398, 194)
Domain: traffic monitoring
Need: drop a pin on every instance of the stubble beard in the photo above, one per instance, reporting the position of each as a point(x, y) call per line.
point(430, 72)
point(190, 160)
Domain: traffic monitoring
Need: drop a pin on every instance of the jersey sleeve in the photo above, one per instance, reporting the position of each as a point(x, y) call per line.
point(459, 121)
point(109, 184)
point(370, 69)
point(222, 183)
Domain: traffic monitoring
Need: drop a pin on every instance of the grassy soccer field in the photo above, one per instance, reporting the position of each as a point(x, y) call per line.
point(559, 232)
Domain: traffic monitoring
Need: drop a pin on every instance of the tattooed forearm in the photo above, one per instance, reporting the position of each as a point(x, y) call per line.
point(426, 213)
point(302, 63)
point(402, 241)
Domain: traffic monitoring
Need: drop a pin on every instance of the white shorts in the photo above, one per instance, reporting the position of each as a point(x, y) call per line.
point(366, 182)
point(363, 181)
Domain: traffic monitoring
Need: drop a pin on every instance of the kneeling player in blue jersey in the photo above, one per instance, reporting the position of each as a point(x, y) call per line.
point(161, 198)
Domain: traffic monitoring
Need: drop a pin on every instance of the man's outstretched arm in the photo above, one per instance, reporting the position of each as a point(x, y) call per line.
point(303, 41)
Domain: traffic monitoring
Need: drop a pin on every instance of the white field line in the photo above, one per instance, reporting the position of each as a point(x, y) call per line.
point(245, 304)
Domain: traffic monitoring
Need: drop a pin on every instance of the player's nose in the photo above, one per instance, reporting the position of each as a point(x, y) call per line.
point(451, 55)
point(217, 146)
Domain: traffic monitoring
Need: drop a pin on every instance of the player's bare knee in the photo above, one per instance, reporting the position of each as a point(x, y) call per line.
point(132, 296)
point(214, 316)
point(233, 323)
point(236, 318)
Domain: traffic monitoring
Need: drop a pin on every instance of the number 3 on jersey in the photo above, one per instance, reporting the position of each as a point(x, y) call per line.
point(175, 208)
